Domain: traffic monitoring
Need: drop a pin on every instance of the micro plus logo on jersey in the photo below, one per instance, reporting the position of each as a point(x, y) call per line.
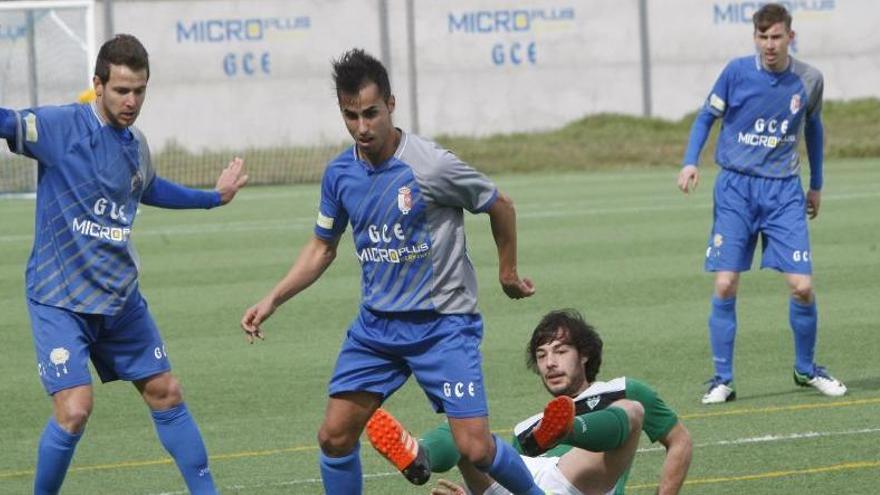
point(104, 208)
point(383, 235)
point(768, 133)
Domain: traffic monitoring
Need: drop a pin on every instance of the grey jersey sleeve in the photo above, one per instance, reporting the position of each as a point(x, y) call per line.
point(454, 183)
point(145, 158)
point(814, 85)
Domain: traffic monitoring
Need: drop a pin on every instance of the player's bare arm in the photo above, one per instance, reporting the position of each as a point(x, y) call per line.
point(314, 258)
point(678, 459)
point(502, 216)
point(814, 199)
point(231, 179)
point(688, 178)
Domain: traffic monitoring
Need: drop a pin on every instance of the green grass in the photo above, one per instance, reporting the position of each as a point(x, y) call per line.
point(624, 247)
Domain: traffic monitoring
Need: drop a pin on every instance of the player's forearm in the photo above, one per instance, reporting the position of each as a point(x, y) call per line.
point(678, 460)
point(674, 473)
point(315, 257)
point(814, 133)
point(697, 138)
point(166, 194)
point(502, 216)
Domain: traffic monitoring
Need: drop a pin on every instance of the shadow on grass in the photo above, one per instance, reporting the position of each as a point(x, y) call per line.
point(868, 383)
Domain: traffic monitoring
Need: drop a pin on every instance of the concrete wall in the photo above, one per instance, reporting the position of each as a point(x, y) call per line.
point(256, 73)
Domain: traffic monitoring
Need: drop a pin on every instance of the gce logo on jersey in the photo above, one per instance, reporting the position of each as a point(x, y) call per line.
point(458, 389)
point(799, 256)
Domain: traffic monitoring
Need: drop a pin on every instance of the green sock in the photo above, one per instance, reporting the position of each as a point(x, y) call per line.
point(599, 431)
point(440, 447)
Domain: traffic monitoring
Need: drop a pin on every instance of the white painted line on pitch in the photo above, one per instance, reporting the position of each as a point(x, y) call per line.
point(720, 443)
point(773, 438)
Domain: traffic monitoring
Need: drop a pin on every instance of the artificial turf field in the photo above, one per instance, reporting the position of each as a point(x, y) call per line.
point(624, 247)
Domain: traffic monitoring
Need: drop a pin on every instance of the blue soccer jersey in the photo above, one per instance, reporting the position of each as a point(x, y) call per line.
point(407, 222)
point(763, 113)
point(90, 180)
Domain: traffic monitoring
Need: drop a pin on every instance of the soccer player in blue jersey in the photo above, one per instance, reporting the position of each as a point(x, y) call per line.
point(94, 169)
point(404, 197)
point(764, 100)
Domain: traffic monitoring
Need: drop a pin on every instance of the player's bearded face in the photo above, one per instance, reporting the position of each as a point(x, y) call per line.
point(119, 101)
point(367, 117)
point(561, 367)
point(772, 45)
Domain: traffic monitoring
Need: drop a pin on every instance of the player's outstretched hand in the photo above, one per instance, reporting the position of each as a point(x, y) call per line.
point(517, 288)
point(231, 179)
point(446, 487)
point(814, 199)
point(253, 317)
point(688, 178)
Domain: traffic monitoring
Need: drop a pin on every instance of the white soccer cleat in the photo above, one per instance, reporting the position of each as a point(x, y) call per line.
point(719, 392)
point(821, 381)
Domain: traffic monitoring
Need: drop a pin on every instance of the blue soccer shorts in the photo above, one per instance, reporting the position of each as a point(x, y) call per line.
point(381, 350)
point(124, 346)
point(748, 206)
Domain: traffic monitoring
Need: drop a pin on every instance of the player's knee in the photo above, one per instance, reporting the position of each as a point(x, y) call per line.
point(73, 416)
point(336, 443)
point(725, 287)
point(478, 451)
point(163, 393)
point(802, 291)
point(635, 413)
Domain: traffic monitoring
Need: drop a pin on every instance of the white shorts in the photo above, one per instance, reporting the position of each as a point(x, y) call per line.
point(547, 476)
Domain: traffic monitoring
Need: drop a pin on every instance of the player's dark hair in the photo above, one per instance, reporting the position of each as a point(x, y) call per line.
point(122, 49)
point(567, 325)
point(770, 14)
point(357, 68)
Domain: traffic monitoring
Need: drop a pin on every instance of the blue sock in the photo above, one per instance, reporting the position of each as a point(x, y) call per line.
point(510, 472)
point(53, 457)
point(722, 333)
point(181, 438)
point(803, 320)
point(343, 474)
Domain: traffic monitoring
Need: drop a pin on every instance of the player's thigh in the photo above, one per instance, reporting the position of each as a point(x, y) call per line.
point(589, 472)
point(733, 237)
point(785, 232)
point(129, 346)
point(449, 367)
point(549, 476)
point(61, 342)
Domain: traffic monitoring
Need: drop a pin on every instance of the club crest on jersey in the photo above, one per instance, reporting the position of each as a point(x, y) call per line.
point(593, 401)
point(795, 104)
point(59, 357)
point(404, 199)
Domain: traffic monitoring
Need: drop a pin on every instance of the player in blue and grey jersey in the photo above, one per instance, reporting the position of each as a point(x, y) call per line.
point(404, 198)
point(94, 169)
point(764, 102)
